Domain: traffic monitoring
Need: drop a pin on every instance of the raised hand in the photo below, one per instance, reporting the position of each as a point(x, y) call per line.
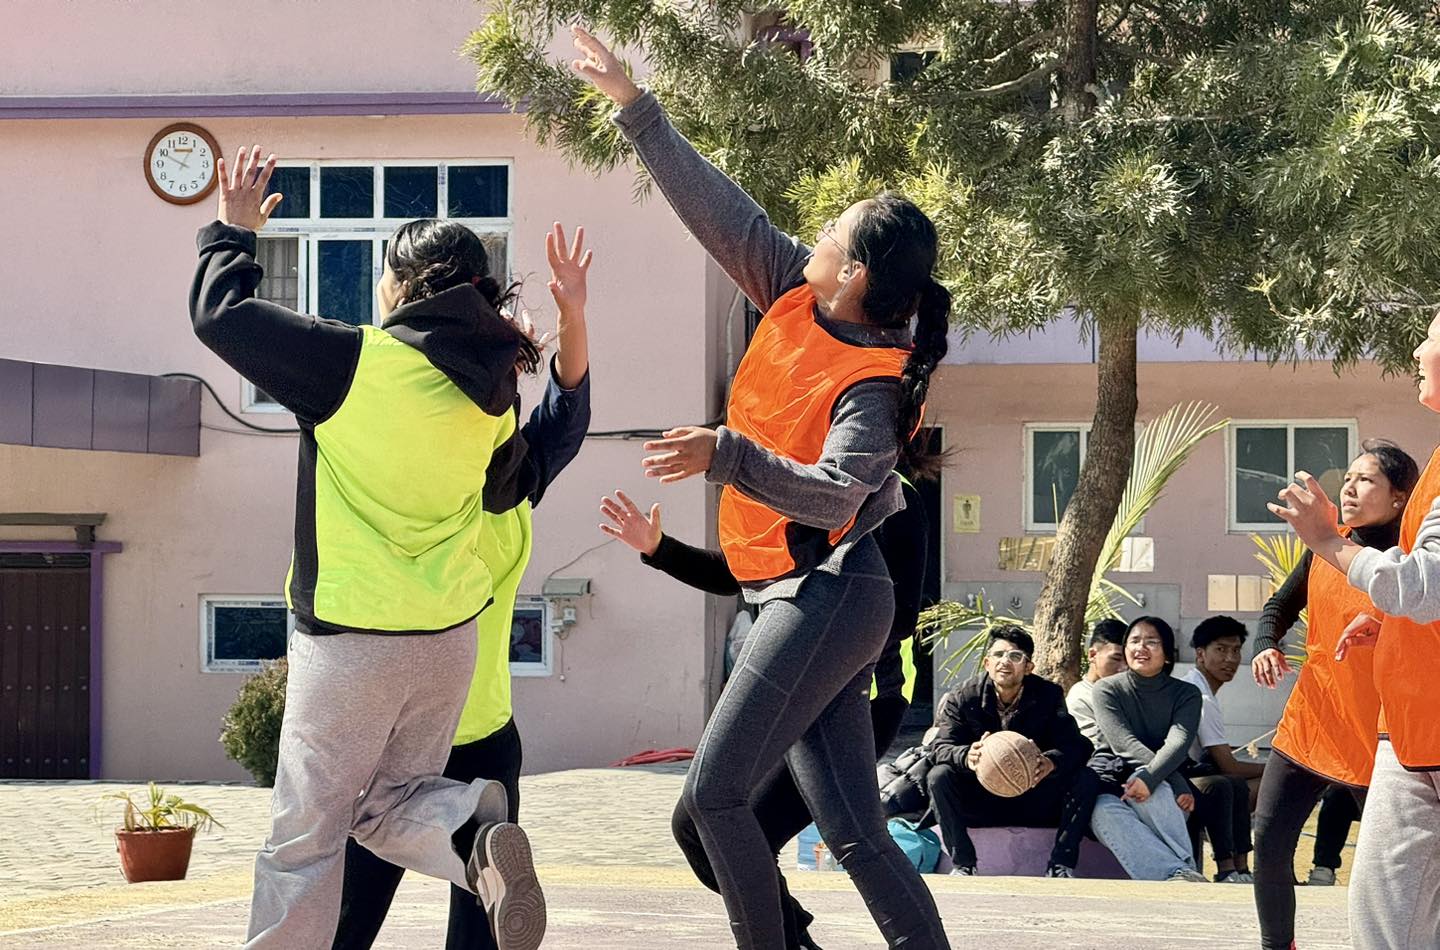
point(242, 190)
point(604, 71)
point(1270, 667)
point(629, 523)
point(1308, 510)
point(1363, 631)
point(569, 265)
point(683, 452)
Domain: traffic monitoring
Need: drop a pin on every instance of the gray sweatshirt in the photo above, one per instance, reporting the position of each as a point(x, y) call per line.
point(1407, 585)
point(1080, 702)
point(854, 476)
point(1149, 721)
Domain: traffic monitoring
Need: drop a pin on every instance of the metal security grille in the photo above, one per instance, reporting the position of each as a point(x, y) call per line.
point(44, 666)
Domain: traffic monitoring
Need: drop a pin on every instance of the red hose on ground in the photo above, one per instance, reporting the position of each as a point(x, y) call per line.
point(655, 757)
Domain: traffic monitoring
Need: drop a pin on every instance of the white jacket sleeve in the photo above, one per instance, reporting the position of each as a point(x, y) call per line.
point(1404, 584)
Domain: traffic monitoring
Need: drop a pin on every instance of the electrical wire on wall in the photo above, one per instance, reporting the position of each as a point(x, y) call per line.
point(250, 427)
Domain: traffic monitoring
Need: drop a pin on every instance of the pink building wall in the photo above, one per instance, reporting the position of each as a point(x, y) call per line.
point(97, 271)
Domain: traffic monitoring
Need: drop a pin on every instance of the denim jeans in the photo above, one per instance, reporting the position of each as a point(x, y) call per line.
point(1148, 838)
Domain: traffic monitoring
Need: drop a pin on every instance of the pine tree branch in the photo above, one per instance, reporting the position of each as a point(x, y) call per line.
point(1035, 75)
point(1124, 49)
point(1119, 19)
point(1030, 42)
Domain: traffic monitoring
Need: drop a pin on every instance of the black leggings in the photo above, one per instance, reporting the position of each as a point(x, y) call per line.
point(370, 882)
point(783, 814)
point(1288, 793)
point(799, 699)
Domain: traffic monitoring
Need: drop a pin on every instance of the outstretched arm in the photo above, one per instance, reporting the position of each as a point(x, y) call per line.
point(696, 567)
point(302, 363)
point(763, 261)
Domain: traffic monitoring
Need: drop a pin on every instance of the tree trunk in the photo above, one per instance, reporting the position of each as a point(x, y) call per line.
point(1077, 71)
point(1060, 611)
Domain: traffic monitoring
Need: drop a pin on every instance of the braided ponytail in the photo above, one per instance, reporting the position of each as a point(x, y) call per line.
point(898, 245)
point(932, 321)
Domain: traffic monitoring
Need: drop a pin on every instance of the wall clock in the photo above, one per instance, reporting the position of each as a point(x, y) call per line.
point(180, 163)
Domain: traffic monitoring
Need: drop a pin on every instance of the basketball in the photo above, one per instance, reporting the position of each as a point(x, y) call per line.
point(1007, 764)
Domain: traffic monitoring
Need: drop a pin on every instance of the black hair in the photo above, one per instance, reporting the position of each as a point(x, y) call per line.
point(430, 255)
point(898, 245)
point(1012, 634)
point(1215, 628)
point(1109, 630)
point(1167, 637)
point(1399, 468)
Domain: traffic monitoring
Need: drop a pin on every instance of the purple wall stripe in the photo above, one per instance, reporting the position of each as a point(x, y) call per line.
point(64, 406)
point(272, 104)
point(70, 407)
point(17, 402)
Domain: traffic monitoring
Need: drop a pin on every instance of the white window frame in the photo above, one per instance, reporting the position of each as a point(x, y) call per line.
point(208, 664)
point(546, 666)
point(1232, 433)
point(1031, 525)
point(310, 231)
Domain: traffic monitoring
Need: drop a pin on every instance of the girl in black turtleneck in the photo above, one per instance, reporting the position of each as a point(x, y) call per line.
point(1327, 735)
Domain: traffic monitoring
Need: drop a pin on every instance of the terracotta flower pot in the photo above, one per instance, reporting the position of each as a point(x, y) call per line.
point(155, 855)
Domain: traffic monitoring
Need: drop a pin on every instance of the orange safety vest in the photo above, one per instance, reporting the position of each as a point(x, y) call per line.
point(782, 399)
point(1329, 723)
point(1407, 655)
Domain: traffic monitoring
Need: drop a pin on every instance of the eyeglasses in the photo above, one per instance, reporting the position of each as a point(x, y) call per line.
point(827, 233)
point(1147, 644)
point(1014, 656)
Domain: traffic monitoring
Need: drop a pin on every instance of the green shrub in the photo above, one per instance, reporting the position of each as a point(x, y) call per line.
point(251, 731)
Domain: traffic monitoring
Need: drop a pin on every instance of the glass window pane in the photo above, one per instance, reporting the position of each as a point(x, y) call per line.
point(479, 191)
point(248, 633)
point(1324, 451)
point(294, 184)
point(347, 192)
point(496, 246)
point(345, 290)
point(1260, 472)
point(412, 192)
point(527, 635)
point(279, 258)
point(906, 65)
point(1055, 461)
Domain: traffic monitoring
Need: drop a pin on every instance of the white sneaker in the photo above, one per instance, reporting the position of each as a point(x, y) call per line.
point(501, 870)
point(1321, 877)
point(1189, 875)
point(963, 871)
point(1234, 877)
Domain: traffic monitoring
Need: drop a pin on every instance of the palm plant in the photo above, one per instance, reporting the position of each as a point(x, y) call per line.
point(1279, 554)
point(1160, 449)
point(162, 812)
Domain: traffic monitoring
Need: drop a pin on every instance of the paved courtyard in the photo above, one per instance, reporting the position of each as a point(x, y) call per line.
point(612, 876)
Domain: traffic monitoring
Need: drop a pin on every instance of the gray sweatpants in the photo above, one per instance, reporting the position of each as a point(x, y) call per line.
point(1395, 881)
point(367, 730)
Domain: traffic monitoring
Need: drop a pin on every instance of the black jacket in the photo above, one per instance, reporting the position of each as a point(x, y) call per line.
point(970, 711)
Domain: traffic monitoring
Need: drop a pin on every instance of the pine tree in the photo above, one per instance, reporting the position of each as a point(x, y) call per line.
point(1261, 172)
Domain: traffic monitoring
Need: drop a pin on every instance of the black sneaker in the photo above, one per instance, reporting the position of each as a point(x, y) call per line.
point(501, 870)
point(1059, 870)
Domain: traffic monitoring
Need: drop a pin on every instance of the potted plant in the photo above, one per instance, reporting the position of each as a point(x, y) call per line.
point(154, 840)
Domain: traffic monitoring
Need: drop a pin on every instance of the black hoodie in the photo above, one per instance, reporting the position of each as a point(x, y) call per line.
point(307, 364)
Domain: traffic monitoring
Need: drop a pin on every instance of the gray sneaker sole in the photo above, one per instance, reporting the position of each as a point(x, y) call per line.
point(518, 917)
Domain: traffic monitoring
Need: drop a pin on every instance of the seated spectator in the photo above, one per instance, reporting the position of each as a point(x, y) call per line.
point(1009, 697)
point(1147, 720)
point(1107, 657)
point(1225, 787)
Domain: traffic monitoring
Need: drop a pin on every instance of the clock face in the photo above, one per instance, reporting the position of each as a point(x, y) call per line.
point(180, 163)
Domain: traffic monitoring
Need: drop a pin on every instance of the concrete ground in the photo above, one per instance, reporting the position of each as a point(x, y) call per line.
point(612, 877)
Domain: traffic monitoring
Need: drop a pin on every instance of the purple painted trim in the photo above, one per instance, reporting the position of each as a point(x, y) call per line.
point(61, 547)
point(97, 613)
point(271, 104)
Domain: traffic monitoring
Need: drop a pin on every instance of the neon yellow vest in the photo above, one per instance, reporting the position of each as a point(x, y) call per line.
point(505, 547)
point(398, 522)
